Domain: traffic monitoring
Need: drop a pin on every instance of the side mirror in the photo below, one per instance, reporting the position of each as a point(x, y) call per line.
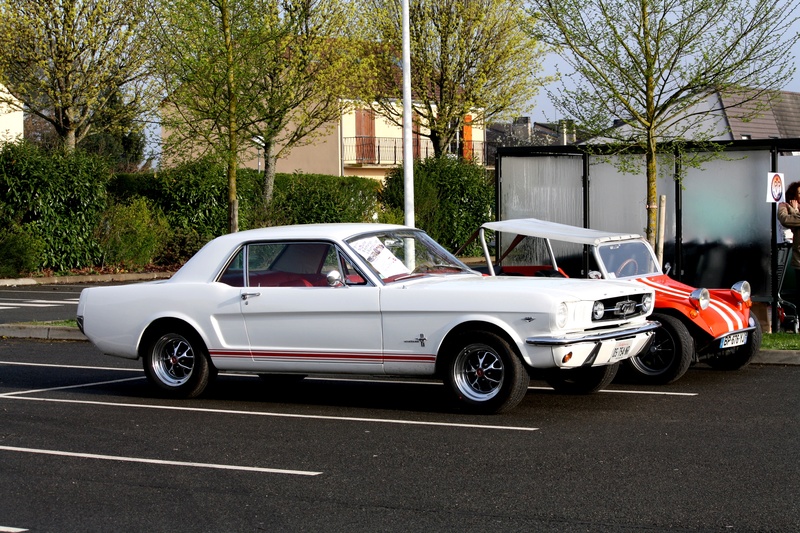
point(334, 278)
point(667, 268)
point(594, 274)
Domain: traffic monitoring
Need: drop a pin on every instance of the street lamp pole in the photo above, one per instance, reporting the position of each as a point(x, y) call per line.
point(408, 153)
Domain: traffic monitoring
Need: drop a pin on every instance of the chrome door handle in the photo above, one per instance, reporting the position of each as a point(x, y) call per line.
point(246, 295)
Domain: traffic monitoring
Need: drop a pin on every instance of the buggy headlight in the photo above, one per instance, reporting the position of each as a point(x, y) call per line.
point(700, 298)
point(562, 313)
point(742, 290)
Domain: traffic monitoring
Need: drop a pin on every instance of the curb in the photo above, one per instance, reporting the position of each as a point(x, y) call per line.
point(92, 278)
point(42, 332)
point(25, 331)
point(777, 357)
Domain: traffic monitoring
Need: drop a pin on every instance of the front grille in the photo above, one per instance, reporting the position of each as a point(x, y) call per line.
point(621, 308)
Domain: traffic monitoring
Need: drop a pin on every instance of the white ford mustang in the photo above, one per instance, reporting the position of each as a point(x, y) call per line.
point(284, 302)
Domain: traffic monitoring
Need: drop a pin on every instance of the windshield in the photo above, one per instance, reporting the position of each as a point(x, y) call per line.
point(626, 259)
point(403, 254)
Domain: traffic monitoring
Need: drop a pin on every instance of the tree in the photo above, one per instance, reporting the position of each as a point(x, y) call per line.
point(65, 60)
point(120, 142)
point(654, 64)
point(239, 73)
point(468, 57)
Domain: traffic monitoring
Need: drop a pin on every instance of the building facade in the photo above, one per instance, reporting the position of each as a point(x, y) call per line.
point(365, 144)
point(11, 117)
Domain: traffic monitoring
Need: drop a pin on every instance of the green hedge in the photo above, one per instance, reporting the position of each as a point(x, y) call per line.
point(452, 198)
point(58, 198)
point(64, 212)
point(314, 198)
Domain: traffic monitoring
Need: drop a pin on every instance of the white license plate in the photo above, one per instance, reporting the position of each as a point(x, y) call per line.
point(737, 339)
point(621, 350)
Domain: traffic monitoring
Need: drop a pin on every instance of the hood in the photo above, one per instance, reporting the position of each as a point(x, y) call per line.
point(566, 289)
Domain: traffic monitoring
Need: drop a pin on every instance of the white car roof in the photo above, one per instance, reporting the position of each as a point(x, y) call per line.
point(335, 231)
point(215, 253)
point(534, 227)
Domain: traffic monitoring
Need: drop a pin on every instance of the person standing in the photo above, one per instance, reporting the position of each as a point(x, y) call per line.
point(789, 217)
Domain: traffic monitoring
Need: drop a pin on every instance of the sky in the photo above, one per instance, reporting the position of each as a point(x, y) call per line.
point(544, 111)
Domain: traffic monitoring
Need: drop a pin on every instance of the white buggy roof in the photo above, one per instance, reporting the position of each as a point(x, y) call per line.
point(534, 227)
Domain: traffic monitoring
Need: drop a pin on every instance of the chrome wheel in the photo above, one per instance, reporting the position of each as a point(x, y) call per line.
point(172, 360)
point(484, 373)
point(478, 372)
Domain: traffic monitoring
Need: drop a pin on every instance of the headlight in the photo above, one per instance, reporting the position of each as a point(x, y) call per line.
point(647, 304)
point(561, 315)
point(700, 298)
point(598, 310)
point(742, 290)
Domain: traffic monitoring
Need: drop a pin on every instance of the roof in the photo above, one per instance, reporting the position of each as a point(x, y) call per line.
point(533, 227)
point(218, 251)
point(780, 118)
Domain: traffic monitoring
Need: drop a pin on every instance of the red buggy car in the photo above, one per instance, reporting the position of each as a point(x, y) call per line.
point(697, 324)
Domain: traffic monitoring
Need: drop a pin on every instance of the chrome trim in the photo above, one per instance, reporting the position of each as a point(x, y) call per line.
point(650, 325)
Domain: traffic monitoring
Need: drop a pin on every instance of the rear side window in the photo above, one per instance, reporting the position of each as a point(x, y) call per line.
point(289, 264)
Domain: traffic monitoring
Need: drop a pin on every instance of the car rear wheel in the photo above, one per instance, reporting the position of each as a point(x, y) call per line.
point(669, 355)
point(177, 363)
point(741, 356)
point(485, 374)
point(583, 380)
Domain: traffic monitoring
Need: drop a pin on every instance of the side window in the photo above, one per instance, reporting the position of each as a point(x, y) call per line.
point(341, 263)
point(287, 264)
point(350, 275)
point(234, 273)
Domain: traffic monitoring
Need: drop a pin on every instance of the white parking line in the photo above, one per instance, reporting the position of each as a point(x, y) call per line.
point(82, 367)
point(265, 413)
point(6, 529)
point(343, 378)
point(68, 301)
point(619, 391)
point(160, 461)
point(23, 304)
point(18, 395)
point(65, 387)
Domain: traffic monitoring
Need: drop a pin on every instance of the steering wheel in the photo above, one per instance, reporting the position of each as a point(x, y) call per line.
point(625, 264)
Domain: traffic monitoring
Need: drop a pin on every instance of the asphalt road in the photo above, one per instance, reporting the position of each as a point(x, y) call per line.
point(87, 445)
point(26, 303)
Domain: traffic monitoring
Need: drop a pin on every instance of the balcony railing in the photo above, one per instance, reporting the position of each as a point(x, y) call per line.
point(388, 151)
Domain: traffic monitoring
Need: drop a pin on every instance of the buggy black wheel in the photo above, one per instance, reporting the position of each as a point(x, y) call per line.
point(669, 355)
point(742, 355)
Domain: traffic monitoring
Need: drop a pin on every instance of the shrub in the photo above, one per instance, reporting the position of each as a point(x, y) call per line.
point(131, 234)
point(313, 198)
point(195, 196)
point(180, 246)
point(20, 252)
point(452, 198)
point(58, 197)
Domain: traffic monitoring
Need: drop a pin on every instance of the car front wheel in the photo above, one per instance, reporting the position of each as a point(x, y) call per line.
point(485, 374)
point(582, 380)
point(177, 363)
point(669, 355)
